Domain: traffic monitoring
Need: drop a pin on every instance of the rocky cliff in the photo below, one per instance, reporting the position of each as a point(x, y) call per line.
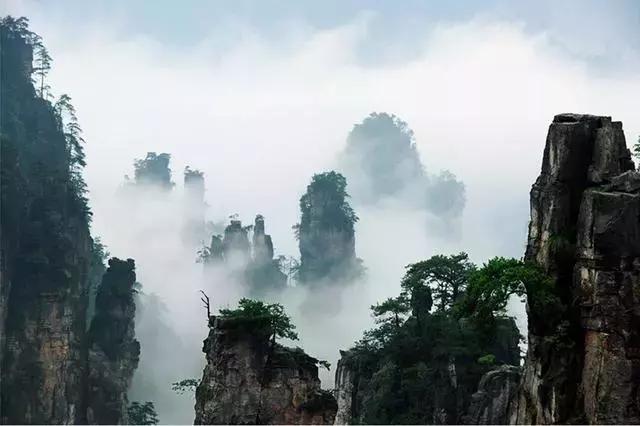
point(583, 362)
point(249, 379)
point(193, 228)
point(452, 399)
point(497, 394)
point(326, 232)
point(346, 392)
point(250, 263)
point(46, 248)
point(113, 350)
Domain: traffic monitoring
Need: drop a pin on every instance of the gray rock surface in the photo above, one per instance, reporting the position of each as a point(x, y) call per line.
point(496, 396)
point(249, 379)
point(585, 232)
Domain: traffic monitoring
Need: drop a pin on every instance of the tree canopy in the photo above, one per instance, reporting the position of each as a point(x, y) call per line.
point(328, 189)
point(271, 314)
point(142, 413)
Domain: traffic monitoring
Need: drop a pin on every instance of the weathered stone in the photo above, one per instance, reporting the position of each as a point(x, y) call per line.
point(326, 233)
point(585, 232)
point(496, 396)
point(345, 392)
point(235, 245)
point(262, 244)
point(249, 379)
point(44, 253)
point(113, 350)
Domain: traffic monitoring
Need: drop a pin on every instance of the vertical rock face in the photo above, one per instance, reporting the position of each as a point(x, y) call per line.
point(45, 247)
point(113, 350)
point(584, 364)
point(45, 250)
point(252, 264)
point(262, 244)
point(326, 231)
point(194, 207)
point(249, 379)
point(154, 171)
point(263, 273)
point(497, 394)
point(235, 245)
point(346, 392)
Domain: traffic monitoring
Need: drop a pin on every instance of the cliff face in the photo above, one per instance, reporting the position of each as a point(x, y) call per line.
point(252, 264)
point(496, 397)
point(193, 231)
point(346, 392)
point(326, 232)
point(45, 251)
point(453, 398)
point(113, 350)
point(263, 274)
point(46, 248)
point(235, 245)
point(249, 379)
point(584, 365)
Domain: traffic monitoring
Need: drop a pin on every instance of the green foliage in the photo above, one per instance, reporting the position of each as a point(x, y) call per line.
point(489, 359)
point(142, 413)
point(271, 315)
point(446, 276)
point(491, 286)
point(636, 151)
point(392, 311)
point(326, 232)
point(185, 385)
point(403, 364)
point(330, 189)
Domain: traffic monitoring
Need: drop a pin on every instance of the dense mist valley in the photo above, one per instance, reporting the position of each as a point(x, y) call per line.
point(286, 214)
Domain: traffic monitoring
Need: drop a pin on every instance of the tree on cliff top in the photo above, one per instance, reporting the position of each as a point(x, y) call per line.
point(329, 189)
point(270, 314)
point(326, 232)
point(446, 276)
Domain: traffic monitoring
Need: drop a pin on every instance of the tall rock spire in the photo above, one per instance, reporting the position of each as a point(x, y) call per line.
point(583, 364)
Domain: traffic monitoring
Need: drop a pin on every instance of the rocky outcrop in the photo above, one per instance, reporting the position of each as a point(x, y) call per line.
point(326, 232)
point(583, 362)
point(346, 392)
point(262, 244)
point(263, 274)
point(193, 232)
point(497, 394)
point(249, 379)
point(153, 171)
point(113, 350)
point(251, 264)
point(453, 384)
point(47, 257)
point(45, 250)
point(235, 245)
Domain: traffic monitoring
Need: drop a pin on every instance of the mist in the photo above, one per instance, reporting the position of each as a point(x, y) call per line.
point(260, 117)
